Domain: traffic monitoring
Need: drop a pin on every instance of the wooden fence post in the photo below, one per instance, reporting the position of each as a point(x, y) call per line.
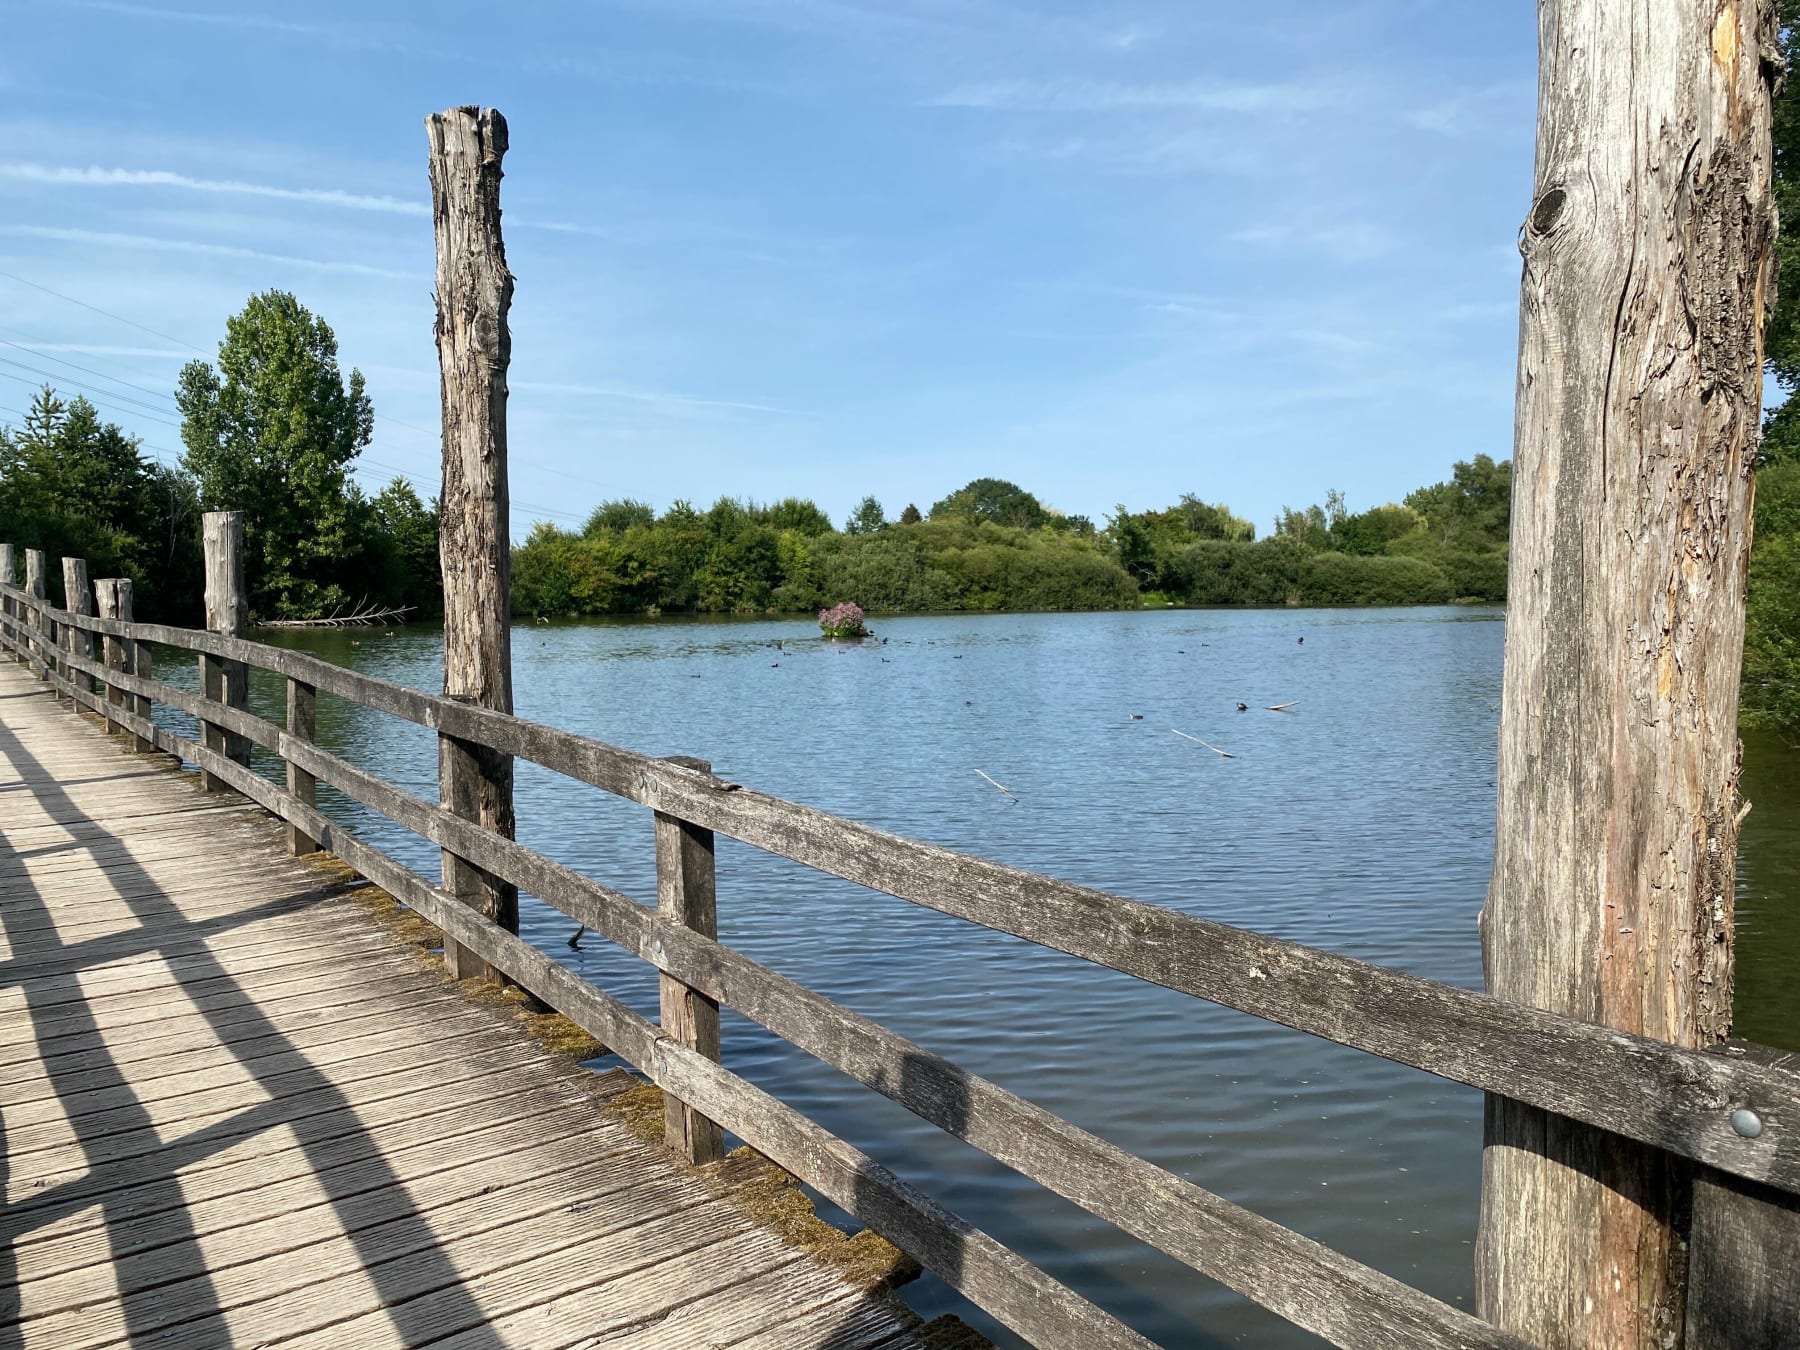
point(78, 598)
point(9, 576)
point(686, 893)
point(227, 611)
point(302, 725)
point(143, 663)
point(474, 292)
point(1647, 261)
point(39, 626)
point(113, 598)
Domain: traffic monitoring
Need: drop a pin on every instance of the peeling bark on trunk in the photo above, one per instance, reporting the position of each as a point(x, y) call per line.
point(474, 292)
point(1647, 265)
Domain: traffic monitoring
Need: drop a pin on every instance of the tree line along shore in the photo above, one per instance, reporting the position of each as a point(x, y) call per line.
point(274, 429)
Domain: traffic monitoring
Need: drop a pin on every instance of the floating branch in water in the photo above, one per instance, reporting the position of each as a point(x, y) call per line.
point(1284, 707)
point(363, 615)
point(1222, 754)
point(1008, 791)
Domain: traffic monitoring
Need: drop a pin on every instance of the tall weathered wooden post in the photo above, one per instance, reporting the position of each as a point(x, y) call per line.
point(1647, 259)
point(474, 292)
point(227, 613)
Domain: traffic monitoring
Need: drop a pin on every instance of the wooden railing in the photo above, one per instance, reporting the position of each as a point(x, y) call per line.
point(1734, 1112)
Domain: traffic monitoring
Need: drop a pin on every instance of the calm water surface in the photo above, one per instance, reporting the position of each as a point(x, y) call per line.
point(1360, 822)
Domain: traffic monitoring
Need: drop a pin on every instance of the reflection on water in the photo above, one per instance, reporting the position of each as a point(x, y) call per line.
point(1362, 822)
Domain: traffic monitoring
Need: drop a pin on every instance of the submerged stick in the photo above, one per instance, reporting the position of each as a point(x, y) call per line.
point(1222, 754)
point(1008, 791)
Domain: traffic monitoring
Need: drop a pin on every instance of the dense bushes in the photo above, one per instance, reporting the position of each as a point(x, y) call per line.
point(741, 558)
point(992, 545)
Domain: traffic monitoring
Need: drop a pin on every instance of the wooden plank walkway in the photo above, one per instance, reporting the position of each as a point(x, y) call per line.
point(236, 1110)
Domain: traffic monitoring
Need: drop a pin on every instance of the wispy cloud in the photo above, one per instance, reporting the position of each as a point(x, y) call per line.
point(224, 19)
point(94, 176)
point(1494, 107)
point(1111, 96)
point(1349, 241)
point(652, 397)
point(111, 239)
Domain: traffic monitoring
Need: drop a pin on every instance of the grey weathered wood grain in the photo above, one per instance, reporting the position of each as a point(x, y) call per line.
point(40, 622)
point(474, 293)
point(224, 679)
point(686, 896)
point(78, 598)
point(1647, 252)
point(113, 599)
point(302, 725)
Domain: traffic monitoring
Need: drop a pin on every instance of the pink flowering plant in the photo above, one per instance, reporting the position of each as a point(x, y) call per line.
point(842, 621)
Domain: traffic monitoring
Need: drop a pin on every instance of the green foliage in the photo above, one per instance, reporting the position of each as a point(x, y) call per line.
point(617, 517)
point(867, 518)
point(77, 487)
point(402, 550)
point(910, 516)
point(273, 432)
point(1771, 689)
point(994, 499)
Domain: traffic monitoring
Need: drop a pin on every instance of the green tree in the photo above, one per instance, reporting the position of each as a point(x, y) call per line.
point(273, 431)
point(994, 499)
point(910, 516)
point(619, 516)
point(867, 518)
point(404, 539)
point(76, 486)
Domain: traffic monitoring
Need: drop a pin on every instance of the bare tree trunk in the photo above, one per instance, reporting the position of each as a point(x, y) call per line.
point(474, 292)
point(1647, 260)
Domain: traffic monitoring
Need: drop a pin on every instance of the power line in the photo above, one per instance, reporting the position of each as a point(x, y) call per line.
point(107, 312)
point(47, 356)
point(105, 398)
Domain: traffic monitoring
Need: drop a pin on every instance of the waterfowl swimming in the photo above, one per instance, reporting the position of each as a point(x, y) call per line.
point(1243, 707)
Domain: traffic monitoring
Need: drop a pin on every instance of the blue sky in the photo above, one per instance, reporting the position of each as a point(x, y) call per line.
point(1114, 252)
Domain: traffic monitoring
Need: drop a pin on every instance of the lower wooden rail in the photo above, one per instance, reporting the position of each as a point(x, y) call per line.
point(1680, 1100)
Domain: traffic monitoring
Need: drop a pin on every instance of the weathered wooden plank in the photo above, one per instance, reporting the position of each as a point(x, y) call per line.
point(409, 1306)
point(283, 1253)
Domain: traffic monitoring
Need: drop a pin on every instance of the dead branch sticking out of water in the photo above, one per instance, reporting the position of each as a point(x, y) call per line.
point(1285, 707)
point(1222, 754)
point(363, 615)
point(1003, 788)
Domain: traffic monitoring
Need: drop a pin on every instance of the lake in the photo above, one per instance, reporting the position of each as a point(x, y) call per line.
point(1360, 821)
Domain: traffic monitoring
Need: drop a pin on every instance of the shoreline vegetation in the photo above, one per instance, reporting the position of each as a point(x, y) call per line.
point(275, 430)
point(992, 545)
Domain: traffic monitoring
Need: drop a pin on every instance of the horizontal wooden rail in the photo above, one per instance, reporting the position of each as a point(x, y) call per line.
point(1676, 1099)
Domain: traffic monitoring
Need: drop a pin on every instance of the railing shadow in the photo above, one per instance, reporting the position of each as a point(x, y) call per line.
point(149, 1182)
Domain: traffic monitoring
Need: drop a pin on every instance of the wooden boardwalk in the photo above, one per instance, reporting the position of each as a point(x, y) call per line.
point(238, 1111)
